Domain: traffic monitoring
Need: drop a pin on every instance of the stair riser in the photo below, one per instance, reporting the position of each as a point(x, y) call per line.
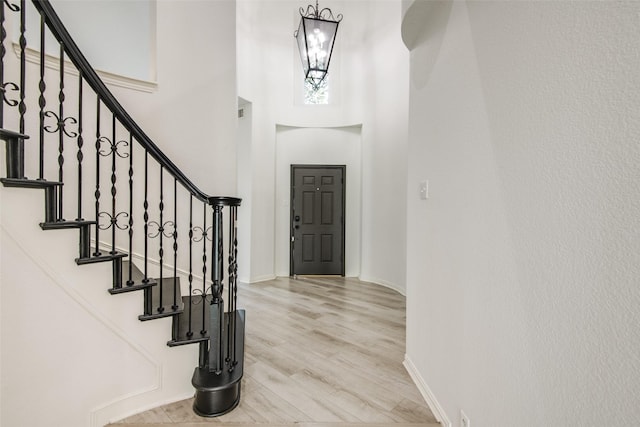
point(50, 204)
point(15, 158)
point(85, 242)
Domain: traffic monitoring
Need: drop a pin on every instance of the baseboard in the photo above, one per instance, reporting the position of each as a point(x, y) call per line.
point(262, 278)
point(426, 392)
point(402, 291)
point(101, 421)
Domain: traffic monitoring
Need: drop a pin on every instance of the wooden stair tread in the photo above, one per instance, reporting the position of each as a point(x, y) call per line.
point(29, 183)
point(183, 337)
point(164, 308)
point(103, 257)
point(9, 134)
point(137, 281)
point(62, 224)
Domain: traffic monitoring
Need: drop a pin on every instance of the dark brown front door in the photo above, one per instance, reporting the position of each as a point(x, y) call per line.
point(317, 219)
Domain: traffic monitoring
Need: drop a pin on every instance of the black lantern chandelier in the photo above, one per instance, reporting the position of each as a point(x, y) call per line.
point(315, 35)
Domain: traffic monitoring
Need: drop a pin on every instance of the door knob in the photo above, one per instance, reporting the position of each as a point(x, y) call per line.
point(297, 218)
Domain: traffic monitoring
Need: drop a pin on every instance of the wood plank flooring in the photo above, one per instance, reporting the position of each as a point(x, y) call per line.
point(320, 352)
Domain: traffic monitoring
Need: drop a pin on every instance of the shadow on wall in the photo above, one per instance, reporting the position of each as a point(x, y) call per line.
point(423, 29)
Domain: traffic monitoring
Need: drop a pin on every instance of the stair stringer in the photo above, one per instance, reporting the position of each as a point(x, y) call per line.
point(84, 386)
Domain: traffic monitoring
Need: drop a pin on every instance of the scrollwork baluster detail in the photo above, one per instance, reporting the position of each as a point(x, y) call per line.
point(161, 234)
point(189, 330)
point(175, 244)
point(97, 191)
point(61, 134)
point(130, 272)
point(12, 6)
point(146, 216)
point(204, 263)
point(42, 100)
point(22, 42)
point(79, 155)
point(5, 86)
point(108, 147)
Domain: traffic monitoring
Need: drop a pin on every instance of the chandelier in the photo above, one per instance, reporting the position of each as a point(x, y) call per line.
point(315, 36)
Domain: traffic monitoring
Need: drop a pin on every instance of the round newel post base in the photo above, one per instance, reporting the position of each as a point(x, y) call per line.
point(219, 393)
point(216, 402)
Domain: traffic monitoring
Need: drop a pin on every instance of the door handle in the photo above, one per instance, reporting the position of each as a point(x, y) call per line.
point(297, 218)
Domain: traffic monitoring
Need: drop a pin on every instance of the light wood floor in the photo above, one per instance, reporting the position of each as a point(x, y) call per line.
point(320, 352)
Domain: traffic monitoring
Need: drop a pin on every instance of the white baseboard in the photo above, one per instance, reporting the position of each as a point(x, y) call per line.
point(263, 278)
point(426, 392)
point(395, 287)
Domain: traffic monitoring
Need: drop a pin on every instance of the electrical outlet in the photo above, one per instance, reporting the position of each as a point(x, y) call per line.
point(464, 420)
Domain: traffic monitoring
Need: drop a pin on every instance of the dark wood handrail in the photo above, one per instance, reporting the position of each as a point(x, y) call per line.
point(76, 56)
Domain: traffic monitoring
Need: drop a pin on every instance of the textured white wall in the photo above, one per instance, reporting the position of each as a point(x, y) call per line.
point(386, 100)
point(192, 116)
point(130, 51)
point(523, 264)
point(370, 87)
point(331, 146)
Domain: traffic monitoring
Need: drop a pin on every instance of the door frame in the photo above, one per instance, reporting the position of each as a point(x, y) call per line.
point(343, 168)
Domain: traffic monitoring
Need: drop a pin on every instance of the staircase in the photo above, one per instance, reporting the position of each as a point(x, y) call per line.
point(131, 206)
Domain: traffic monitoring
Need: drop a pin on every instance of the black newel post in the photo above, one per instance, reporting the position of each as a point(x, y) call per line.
point(217, 381)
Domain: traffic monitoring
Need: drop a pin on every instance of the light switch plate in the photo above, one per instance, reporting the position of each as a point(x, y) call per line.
point(424, 190)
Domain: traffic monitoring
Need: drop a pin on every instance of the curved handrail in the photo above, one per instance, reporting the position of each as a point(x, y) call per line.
point(76, 56)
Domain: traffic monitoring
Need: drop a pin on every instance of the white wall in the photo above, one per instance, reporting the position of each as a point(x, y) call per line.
point(385, 148)
point(243, 159)
point(75, 353)
point(523, 264)
point(130, 51)
point(369, 73)
point(69, 349)
point(192, 116)
point(331, 146)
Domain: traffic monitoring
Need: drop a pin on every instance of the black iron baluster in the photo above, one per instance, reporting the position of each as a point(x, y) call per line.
point(217, 304)
point(203, 353)
point(189, 331)
point(233, 286)
point(147, 291)
point(22, 106)
point(220, 243)
point(161, 234)
point(231, 314)
point(220, 291)
point(235, 278)
point(79, 155)
point(61, 130)
point(4, 86)
point(130, 272)
point(175, 329)
point(114, 150)
point(146, 216)
point(97, 192)
point(204, 266)
point(3, 51)
point(175, 244)
point(42, 101)
point(61, 123)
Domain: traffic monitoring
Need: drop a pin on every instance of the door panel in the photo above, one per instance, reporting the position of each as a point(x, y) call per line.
point(317, 219)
